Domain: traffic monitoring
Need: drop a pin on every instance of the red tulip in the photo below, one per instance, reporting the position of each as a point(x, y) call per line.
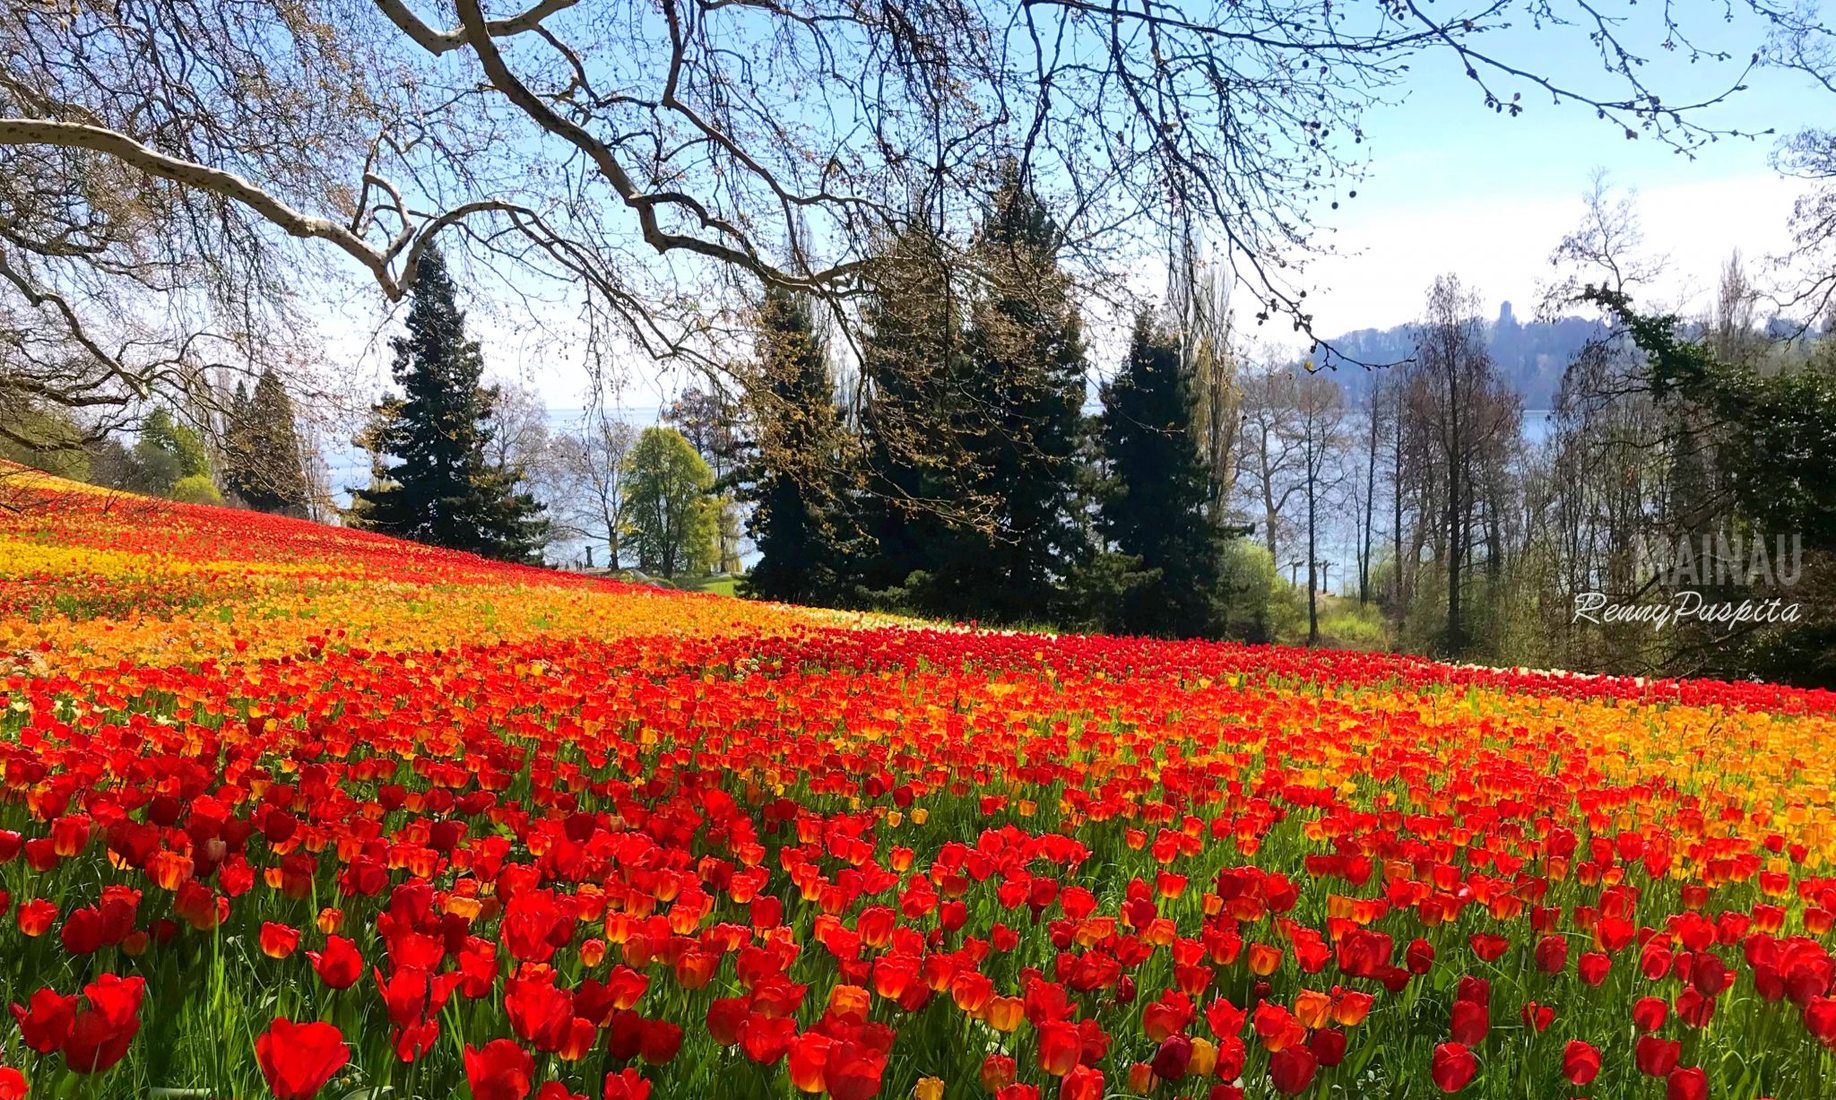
point(500, 1071)
point(1224, 1018)
point(298, 1059)
point(535, 924)
point(1819, 1019)
point(1352, 1007)
point(1171, 1013)
point(1709, 974)
point(1471, 1022)
point(1649, 1013)
point(1291, 1069)
point(199, 905)
point(1452, 1066)
point(1060, 1047)
point(853, 1070)
point(1580, 1062)
point(1489, 947)
point(339, 965)
point(765, 1039)
point(627, 1084)
point(726, 1016)
point(35, 917)
point(539, 1012)
point(625, 1036)
point(809, 1060)
point(102, 1032)
point(1686, 1084)
point(45, 1019)
point(278, 940)
point(1594, 967)
point(1232, 1053)
point(1694, 1009)
point(12, 1084)
point(998, 1071)
point(1656, 1057)
point(1170, 1061)
point(659, 1042)
point(1328, 1045)
point(1552, 954)
point(1082, 1083)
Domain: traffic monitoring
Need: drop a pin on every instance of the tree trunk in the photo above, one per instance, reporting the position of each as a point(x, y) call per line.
point(1370, 507)
point(1455, 516)
point(1398, 593)
point(1313, 588)
point(1268, 502)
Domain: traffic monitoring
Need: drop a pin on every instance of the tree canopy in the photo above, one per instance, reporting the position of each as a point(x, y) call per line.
point(672, 510)
point(662, 160)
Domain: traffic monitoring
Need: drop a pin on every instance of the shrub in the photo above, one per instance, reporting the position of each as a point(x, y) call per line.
point(196, 489)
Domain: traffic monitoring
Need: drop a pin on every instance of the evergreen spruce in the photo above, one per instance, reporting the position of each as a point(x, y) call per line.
point(264, 461)
point(444, 490)
point(917, 483)
point(1154, 497)
point(167, 454)
point(1026, 354)
point(792, 473)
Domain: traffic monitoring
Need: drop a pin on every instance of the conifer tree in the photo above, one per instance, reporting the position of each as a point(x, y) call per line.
point(917, 484)
point(793, 473)
point(444, 490)
point(166, 455)
point(264, 461)
point(1155, 493)
point(1026, 355)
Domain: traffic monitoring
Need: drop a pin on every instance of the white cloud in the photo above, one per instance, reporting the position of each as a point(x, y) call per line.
point(1501, 247)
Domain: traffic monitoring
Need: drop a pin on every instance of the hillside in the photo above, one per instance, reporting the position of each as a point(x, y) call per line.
point(295, 811)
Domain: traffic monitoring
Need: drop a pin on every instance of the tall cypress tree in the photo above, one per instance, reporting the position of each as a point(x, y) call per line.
point(444, 490)
point(792, 475)
point(1025, 349)
point(1154, 497)
point(263, 458)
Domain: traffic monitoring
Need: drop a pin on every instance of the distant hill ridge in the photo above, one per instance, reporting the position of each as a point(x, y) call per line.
point(1531, 355)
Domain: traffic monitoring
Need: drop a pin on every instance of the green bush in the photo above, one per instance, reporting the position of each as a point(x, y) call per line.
point(196, 489)
point(1254, 602)
point(1347, 624)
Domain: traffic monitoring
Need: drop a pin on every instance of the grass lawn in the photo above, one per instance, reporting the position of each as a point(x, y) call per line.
point(724, 585)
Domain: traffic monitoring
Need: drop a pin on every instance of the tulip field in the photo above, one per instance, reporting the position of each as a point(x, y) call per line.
point(292, 811)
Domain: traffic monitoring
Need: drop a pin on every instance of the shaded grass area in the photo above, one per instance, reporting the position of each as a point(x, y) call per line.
point(721, 584)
